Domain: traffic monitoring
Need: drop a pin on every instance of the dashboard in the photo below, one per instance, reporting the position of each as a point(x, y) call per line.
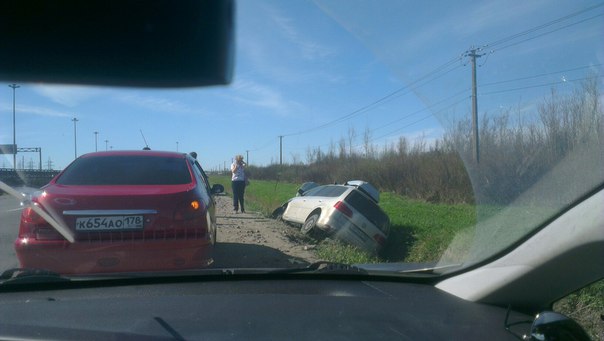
point(245, 309)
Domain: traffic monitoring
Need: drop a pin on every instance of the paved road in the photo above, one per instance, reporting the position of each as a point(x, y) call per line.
point(9, 223)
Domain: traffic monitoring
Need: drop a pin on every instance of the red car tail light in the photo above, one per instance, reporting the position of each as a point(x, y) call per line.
point(30, 216)
point(190, 210)
point(340, 206)
point(34, 226)
point(379, 239)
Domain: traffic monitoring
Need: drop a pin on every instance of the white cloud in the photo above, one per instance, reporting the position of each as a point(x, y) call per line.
point(309, 49)
point(255, 94)
point(279, 47)
point(156, 103)
point(67, 95)
point(39, 111)
point(498, 14)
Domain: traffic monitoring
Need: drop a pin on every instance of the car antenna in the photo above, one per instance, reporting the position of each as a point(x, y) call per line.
point(144, 139)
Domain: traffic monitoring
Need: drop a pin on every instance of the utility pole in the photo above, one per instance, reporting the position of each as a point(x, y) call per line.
point(75, 138)
point(96, 138)
point(14, 86)
point(281, 150)
point(473, 54)
point(247, 156)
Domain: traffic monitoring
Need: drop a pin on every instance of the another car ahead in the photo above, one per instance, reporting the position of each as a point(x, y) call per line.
point(347, 212)
point(122, 211)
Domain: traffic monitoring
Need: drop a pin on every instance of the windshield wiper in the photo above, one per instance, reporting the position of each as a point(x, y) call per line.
point(408, 268)
point(26, 276)
point(324, 267)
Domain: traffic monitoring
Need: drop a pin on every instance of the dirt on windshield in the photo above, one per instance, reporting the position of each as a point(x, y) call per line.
point(249, 240)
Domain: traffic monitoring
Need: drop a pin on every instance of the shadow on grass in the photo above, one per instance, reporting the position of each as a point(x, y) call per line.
point(398, 245)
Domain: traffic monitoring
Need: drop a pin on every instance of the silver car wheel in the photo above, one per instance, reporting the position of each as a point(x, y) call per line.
point(310, 223)
point(211, 228)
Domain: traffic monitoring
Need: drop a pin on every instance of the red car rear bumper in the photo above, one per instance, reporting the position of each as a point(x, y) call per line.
point(108, 257)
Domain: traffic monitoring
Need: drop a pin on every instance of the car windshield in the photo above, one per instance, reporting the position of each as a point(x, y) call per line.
point(326, 191)
point(477, 122)
point(126, 170)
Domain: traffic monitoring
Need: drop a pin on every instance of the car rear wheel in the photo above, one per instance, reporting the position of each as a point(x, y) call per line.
point(212, 229)
point(309, 224)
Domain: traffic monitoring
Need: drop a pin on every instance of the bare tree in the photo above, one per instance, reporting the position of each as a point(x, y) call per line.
point(342, 149)
point(367, 144)
point(352, 135)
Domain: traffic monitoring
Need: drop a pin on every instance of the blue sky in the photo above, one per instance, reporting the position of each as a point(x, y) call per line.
point(301, 65)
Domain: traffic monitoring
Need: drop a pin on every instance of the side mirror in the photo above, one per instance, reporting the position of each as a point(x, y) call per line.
point(217, 189)
point(549, 325)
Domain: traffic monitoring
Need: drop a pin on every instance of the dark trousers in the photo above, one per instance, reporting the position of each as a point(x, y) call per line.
point(238, 192)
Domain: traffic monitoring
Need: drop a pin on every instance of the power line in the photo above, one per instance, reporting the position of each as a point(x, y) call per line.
point(264, 145)
point(420, 120)
point(546, 33)
point(421, 110)
point(541, 75)
point(547, 24)
point(539, 85)
point(411, 123)
point(382, 99)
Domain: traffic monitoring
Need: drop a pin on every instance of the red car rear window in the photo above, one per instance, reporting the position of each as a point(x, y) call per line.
point(126, 170)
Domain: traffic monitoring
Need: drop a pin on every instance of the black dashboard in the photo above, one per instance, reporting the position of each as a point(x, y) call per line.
point(300, 309)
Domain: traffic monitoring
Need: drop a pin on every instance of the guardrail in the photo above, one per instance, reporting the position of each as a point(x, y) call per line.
point(27, 177)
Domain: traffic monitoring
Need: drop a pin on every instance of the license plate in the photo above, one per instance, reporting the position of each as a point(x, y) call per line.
point(109, 223)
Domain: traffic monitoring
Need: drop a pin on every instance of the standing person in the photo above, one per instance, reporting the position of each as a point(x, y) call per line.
point(238, 183)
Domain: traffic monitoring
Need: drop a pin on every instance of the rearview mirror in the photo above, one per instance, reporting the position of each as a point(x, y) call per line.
point(160, 43)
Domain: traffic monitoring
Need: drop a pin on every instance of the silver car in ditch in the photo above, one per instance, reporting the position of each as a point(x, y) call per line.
point(348, 212)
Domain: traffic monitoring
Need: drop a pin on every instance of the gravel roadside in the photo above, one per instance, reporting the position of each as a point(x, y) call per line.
point(249, 240)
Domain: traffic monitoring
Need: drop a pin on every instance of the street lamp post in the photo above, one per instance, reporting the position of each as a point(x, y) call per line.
point(177, 146)
point(75, 139)
point(14, 86)
point(96, 138)
point(106, 144)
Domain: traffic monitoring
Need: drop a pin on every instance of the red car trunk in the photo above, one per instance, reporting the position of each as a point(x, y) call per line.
point(117, 228)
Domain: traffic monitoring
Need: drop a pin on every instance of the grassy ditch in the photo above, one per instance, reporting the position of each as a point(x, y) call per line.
point(420, 231)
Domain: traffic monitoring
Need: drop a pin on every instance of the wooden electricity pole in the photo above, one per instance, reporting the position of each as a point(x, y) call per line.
point(473, 55)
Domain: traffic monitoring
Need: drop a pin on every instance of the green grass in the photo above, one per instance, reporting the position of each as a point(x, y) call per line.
point(335, 251)
point(420, 231)
point(585, 307)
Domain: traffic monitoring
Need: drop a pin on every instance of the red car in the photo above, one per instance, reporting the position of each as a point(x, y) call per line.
point(122, 211)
